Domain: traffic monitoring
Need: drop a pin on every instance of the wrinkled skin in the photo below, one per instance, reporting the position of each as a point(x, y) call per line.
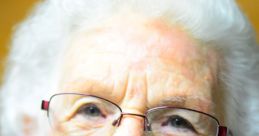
point(140, 65)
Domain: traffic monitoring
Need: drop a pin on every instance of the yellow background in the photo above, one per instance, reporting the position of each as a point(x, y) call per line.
point(13, 11)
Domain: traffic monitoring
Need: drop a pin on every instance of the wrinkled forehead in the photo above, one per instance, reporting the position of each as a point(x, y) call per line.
point(163, 56)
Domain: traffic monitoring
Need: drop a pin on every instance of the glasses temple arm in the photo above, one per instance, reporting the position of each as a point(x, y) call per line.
point(222, 131)
point(45, 105)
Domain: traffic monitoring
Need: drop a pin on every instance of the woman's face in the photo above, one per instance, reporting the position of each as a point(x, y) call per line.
point(138, 65)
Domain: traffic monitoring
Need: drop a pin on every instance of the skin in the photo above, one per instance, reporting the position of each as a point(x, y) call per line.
point(140, 65)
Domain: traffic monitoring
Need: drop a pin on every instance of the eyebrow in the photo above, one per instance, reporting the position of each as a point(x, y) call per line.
point(180, 101)
point(176, 101)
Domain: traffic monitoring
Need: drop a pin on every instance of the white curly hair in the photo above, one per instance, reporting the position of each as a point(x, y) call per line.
point(38, 43)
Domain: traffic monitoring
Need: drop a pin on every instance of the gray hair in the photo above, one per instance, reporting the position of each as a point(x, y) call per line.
point(32, 66)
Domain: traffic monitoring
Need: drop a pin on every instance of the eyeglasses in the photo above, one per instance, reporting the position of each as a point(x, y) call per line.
point(71, 113)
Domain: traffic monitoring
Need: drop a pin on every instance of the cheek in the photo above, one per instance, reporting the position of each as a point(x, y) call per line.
point(74, 128)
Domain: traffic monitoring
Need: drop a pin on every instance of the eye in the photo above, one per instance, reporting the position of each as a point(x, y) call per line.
point(91, 110)
point(178, 122)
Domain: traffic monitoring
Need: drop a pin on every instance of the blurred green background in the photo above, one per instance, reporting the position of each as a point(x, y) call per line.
point(13, 11)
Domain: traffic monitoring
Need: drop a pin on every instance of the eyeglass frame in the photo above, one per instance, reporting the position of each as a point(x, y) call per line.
point(221, 130)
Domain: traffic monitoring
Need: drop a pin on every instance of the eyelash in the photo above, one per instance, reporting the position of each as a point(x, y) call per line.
point(85, 109)
point(187, 124)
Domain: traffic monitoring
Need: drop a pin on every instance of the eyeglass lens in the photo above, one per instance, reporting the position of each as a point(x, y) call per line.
point(71, 114)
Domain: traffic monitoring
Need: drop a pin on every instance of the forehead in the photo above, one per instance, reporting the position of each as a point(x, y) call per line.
point(157, 57)
point(138, 40)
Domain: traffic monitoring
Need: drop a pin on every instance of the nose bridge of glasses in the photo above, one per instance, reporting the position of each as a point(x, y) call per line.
point(146, 124)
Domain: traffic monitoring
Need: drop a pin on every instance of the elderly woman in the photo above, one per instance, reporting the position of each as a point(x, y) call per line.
point(132, 68)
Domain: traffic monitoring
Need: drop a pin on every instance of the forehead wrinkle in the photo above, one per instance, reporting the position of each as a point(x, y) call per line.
point(176, 93)
point(84, 85)
point(160, 47)
point(107, 83)
point(135, 97)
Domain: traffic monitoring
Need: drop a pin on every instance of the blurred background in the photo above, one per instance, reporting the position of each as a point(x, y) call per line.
point(13, 11)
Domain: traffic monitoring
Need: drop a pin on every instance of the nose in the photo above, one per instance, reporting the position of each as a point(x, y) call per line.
point(130, 125)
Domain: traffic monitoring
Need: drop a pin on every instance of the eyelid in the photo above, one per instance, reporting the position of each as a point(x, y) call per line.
point(195, 120)
point(192, 128)
point(189, 118)
point(76, 106)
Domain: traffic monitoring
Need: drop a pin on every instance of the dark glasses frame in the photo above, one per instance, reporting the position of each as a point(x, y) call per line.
point(222, 130)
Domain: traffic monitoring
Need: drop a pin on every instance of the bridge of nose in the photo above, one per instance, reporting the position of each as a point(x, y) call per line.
point(130, 126)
